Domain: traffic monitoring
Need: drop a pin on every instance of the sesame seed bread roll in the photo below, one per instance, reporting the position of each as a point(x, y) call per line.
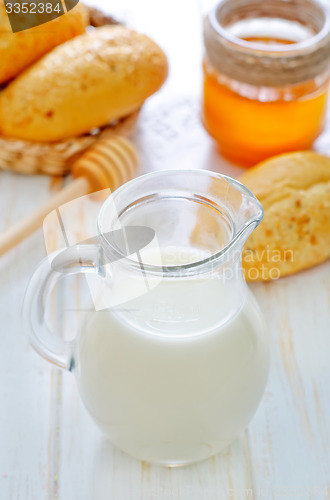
point(294, 190)
point(85, 83)
point(19, 50)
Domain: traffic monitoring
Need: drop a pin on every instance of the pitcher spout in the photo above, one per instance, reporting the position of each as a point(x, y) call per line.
point(245, 209)
point(235, 214)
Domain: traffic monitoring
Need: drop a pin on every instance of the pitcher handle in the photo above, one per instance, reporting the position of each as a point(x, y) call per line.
point(74, 260)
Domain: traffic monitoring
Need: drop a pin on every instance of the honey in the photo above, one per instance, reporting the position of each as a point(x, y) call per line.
point(264, 95)
point(249, 129)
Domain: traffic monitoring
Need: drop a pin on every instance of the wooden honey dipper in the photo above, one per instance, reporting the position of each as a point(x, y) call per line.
point(108, 164)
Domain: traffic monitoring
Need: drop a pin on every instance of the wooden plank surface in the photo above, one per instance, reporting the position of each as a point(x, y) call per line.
point(50, 448)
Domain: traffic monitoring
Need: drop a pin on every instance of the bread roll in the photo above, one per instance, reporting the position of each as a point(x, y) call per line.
point(19, 50)
point(85, 83)
point(294, 190)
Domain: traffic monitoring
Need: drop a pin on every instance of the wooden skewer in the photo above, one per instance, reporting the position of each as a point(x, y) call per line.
point(108, 164)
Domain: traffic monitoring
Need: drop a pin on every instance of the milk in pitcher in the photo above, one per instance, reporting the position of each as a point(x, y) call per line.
point(163, 377)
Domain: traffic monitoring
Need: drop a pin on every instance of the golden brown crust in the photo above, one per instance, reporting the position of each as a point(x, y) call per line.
point(87, 82)
point(20, 50)
point(294, 190)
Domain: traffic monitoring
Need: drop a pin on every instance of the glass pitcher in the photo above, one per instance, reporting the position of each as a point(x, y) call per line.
point(172, 360)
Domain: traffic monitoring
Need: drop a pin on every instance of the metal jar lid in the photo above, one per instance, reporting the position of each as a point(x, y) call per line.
point(263, 65)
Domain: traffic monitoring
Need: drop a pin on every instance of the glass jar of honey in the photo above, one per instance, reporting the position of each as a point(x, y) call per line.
point(266, 76)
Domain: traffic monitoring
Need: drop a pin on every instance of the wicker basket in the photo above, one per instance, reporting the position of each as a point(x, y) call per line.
point(56, 158)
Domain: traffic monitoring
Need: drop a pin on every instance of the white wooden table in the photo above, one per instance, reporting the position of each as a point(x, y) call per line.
point(49, 446)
